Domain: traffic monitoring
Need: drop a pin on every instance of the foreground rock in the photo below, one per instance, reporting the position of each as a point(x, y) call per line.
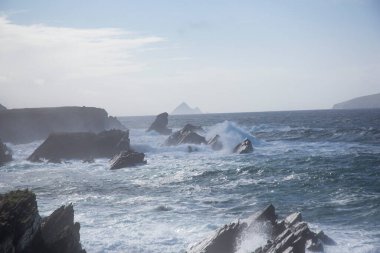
point(5, 154)
point(127, 159)
point(160, 124)
point(22, 229)
point(32, 124)
point(244, 148)
point(83, 146)
point(290, 235)
point(215, 143)
point(187, 135)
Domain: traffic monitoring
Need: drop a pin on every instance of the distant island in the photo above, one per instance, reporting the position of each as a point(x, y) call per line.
point(184, 108)
point(370, 101)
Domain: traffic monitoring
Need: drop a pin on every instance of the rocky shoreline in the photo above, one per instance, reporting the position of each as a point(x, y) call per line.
point(23, 230)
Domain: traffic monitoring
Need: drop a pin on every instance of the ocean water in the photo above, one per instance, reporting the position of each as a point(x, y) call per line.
point(325, 164)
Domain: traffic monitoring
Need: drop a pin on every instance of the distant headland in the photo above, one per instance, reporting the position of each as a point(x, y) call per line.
point(30, 124)
point(184, 108)
point(370, 101)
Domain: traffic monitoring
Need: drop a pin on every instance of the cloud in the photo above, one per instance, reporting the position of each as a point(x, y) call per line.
point(47, 52)
point(42, 65)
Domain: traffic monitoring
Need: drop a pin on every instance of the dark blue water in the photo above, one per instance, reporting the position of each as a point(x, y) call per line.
point(325, 164)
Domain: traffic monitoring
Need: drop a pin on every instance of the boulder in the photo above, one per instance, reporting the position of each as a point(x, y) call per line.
point(60, 233)
point(5, 154)
point(160, 124)
point(83, 146)
point(187, 135)
point(127, 159)
point(33, 124)
point(291, 235)
point(22, 229)
point(215, 143)
point(244, 147)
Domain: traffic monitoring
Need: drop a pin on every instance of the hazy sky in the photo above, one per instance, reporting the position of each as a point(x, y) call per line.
point(145, 57)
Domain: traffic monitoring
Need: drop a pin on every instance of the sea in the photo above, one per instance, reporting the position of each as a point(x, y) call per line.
point(324, 164)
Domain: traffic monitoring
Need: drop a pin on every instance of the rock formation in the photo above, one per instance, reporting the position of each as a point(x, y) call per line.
point(215, 143)
point(127, 159)
point(2, 107)
point(23, 231)
point(244, 147)
point(184, 108)
point(160, 124)
point(31, 124)
point(187, 135)
point(5, 154)
point(290, 235)
point(83, 146)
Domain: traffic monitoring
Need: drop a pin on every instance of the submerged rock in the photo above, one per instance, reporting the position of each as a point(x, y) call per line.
point(160, 124)
point(5, 154)
point(244, 147)
point(127, 159)
point(285, 236)
point(187, 135)
point(82, 146)
point(215, 143)
point(22, 229)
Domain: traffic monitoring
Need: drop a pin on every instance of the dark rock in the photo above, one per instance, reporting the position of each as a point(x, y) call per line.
point(292, 238)
point(186, 135)
point(32, 124)
point(127, 159)
point(22, 229)
point(325, 239)
point(244, 147)
point(160, 124)
point(223, 241)
point(81, 146)
point(59, 232)
point(215, 143)
point(2, 107)
point(5, 154)
point(315, 245)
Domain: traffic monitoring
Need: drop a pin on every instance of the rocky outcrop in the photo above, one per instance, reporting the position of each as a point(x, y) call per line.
point(215, 143)
point(160, 124)
point(127, 159)
point(83, 146)
point(244, 147)
point(290, 235)
point(187, 135)
point(23, 231)
point(31, 124)
point(5, 154)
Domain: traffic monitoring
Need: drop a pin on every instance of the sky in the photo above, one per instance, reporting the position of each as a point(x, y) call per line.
point(145, 57)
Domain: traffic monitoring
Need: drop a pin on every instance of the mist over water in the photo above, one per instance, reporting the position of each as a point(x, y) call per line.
point(325, 164)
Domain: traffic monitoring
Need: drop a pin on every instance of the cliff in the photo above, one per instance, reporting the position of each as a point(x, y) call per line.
point(370, 101)
point(31, 124)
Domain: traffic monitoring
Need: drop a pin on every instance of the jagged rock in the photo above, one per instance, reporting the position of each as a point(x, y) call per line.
point(187, 135)
point(286, 236)
point(325, 239)
point(60, 233)
point(81, 146)
point(22, 229)
point(223, 241)
point(32, 124)
point(244, 147)
point(215, 143)
point(127, 159)
point(160, 124)
point(5, 154)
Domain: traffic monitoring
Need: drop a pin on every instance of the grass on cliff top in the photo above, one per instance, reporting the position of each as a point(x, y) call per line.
point(14, 197)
